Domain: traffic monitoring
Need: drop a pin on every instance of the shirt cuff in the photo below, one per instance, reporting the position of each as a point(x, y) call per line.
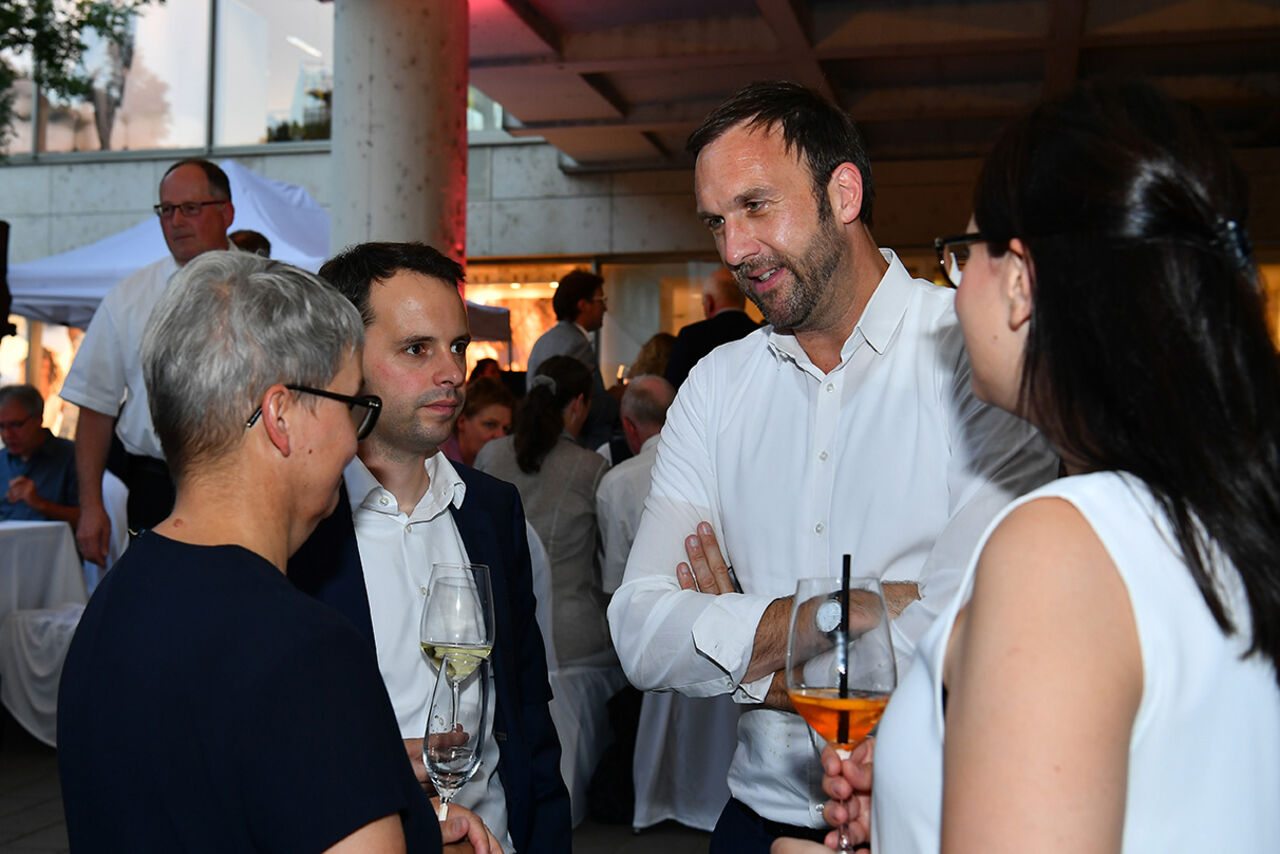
point(725, 633)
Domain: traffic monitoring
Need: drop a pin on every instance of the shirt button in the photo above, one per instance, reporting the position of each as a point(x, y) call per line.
point(819, 527)
point(831, 386)
point(383, 500)
point(422, 590)
point(823, 456)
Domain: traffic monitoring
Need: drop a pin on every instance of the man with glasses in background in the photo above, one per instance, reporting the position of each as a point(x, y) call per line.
point(105, 380)
point(37, 468)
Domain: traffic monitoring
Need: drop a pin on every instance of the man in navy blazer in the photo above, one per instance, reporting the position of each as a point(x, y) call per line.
point(723, 305)
point(403, 507)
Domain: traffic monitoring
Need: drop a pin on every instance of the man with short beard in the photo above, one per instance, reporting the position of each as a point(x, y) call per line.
point(847, 426)
point(405, 507)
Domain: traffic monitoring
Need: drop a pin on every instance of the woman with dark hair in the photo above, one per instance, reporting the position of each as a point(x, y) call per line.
point(1107, 679)
point(557, 481)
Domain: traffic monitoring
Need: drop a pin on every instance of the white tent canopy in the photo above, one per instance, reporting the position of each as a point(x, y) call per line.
point(67, 288)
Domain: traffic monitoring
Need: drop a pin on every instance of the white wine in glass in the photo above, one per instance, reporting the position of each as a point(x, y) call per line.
point(458, 613)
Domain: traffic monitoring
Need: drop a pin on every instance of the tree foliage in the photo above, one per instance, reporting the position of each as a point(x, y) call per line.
point(49, 36)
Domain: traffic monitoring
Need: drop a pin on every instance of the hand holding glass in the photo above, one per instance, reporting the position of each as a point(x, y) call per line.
point(451, 746)
point(840, 662)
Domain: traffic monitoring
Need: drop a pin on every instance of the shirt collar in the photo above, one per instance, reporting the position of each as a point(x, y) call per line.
point(582, 329)
point(877, 325)
point(445, 489)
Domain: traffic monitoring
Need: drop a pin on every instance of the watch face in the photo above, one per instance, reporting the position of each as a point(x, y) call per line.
point(827, 616)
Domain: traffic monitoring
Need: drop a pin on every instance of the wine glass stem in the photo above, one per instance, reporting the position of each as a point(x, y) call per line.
point(844, 844)
point(456, 689)
point(443, 812)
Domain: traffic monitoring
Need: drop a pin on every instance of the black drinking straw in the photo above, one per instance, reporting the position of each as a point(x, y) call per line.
point(842, 731)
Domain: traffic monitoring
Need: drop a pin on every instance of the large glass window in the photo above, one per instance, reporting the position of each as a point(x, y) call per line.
point(273, 82)
point(274, 71)
point(152, 92)
point(21, 95)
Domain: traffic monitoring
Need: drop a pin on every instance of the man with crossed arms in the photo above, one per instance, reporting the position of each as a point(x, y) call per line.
point(847, 425)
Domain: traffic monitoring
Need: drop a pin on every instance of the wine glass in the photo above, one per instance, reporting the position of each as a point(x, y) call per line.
point(840, 662)
point(451, 746)
point(458, 613)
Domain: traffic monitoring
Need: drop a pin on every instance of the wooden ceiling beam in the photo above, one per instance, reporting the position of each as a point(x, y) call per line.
point(728, 58)
point(538, 24)
point(790, 25)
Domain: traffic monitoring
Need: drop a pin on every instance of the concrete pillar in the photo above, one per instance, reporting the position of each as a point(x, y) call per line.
point(400, 123)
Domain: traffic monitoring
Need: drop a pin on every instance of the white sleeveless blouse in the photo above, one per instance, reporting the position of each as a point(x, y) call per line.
point(1204, 754)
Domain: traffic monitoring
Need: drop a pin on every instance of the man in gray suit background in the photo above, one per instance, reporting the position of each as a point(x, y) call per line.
point(580, 306)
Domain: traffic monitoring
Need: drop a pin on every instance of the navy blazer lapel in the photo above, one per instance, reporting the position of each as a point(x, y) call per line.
point(328, 567)
point(483, 542)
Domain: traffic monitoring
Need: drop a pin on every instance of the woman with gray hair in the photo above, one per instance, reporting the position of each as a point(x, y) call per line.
point(205, 703)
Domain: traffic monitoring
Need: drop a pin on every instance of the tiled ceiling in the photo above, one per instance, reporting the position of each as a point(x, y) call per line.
point(621, 83)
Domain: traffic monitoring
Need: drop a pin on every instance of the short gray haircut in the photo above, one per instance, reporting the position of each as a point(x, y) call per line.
point(228, 327)
point(647, 399)
point(28, 396)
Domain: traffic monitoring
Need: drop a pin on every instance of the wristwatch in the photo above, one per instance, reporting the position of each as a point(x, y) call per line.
point(827, 617)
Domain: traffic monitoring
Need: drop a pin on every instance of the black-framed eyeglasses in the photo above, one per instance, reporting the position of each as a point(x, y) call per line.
point(364, 408)
point(189, 209)
point(953, 253)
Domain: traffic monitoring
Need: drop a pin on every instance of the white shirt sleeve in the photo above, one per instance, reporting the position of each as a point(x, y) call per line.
point(616, 533)
point(995, 458)
point(97, 377)
point(694, 643)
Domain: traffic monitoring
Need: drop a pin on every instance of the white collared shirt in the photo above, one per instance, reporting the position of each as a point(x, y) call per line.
point(397, 551)
point(619, 502)
point(107, 370)
point(889, 457)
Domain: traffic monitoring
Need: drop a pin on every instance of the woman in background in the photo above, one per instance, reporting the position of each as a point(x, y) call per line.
point(486, 415)
point(1107, 681)
point(653, 356)
point(557, 481)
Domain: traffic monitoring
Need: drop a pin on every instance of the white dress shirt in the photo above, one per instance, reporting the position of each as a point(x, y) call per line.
point(619, 502)
point(397, 551)
point(889, 457)
point(107, 370)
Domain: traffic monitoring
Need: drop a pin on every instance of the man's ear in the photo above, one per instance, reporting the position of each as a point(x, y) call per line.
point(278, 408)
point(844, 192)
point(1018, 284)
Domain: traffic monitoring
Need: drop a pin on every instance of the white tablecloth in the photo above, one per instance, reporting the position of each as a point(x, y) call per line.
point(39, 567)
point(42, 593)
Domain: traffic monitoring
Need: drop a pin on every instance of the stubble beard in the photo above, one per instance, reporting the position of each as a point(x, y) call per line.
point(410, 436)
point(792, 309)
